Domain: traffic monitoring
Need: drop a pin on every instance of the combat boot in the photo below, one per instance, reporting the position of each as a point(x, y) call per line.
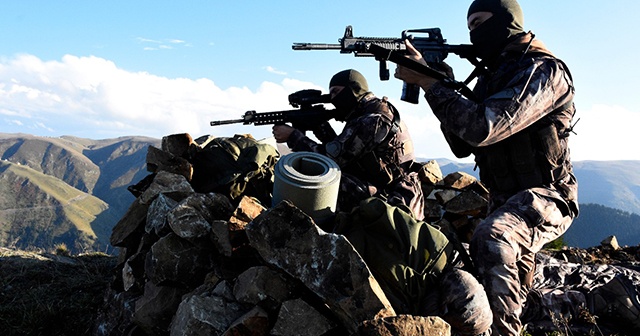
point(617, 302)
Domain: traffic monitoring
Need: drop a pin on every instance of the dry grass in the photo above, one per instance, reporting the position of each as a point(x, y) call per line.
point(47, 294)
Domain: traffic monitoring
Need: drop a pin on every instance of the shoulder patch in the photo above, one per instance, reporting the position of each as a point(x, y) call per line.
point(333, 149)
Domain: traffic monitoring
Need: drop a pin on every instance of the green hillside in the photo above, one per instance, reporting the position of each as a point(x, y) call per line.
point(42, 210)
point(596, 222)
point(63, 189)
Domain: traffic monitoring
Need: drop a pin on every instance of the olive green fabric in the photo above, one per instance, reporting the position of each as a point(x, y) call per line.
point(235, 166)
point(353, 80)
point(405, 256)
point(509, 12)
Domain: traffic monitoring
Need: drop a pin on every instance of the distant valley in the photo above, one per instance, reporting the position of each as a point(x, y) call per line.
point(66, 190)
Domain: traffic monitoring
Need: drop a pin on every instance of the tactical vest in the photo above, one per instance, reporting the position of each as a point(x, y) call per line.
point(535, 156)
point(391, 158)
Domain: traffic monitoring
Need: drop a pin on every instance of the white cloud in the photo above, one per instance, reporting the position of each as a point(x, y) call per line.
point(146, 40)
point(274, 71)
point(92, 97)
point(165, 44)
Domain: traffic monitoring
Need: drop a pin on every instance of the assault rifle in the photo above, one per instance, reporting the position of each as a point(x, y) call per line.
point(309, 113)
point(432, 46)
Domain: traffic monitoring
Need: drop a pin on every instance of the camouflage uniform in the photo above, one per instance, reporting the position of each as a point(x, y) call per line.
point(518, 132)
point(375, 161)
point(564, 290)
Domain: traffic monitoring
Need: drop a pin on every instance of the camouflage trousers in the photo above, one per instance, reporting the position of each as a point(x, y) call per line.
point(503, 249)
point(405, 193)
point(560, 288)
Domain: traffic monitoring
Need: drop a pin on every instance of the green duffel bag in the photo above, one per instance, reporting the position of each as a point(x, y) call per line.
point(405, 256)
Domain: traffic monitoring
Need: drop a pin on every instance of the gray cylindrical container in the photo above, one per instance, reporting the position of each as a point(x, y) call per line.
point(310, 181)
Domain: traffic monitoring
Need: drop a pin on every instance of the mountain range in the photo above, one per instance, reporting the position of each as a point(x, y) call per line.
point(72, 191)
point(66, 189)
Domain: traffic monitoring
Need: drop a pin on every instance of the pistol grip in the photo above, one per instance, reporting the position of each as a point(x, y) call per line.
point(384, 70)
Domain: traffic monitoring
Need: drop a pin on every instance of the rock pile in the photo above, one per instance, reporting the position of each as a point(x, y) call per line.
point(193, 262)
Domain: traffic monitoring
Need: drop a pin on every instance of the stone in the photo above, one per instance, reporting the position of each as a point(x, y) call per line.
point(430, 173)
point(157, 214)
point(610, 242)
point(133, 272)
point(325, 263)
point(432, 209)
point(255, 322)
point(247, 209)
point(427, 190)
point(191, 218)
point(129, 229)
point(175, 261)
point(459, 180)
point(155, 309)
point(209, 312)
point(159, 160)
point(177, 145)
point(444, 196)
point(296, 315)
point(405, 325)
point(165, 182)
point(262, 285)
point(220, 237)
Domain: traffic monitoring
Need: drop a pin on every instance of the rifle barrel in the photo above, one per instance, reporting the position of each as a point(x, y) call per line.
point(226, 122)
point(316, 46)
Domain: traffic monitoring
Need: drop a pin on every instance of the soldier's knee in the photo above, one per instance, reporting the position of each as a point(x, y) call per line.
point(488, 249)
point(465, 303)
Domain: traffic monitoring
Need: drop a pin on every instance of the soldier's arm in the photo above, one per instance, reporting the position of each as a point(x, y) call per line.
point(357, 138)
point(533, 93)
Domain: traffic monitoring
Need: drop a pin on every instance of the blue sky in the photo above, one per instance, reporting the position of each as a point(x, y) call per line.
point(102, 69)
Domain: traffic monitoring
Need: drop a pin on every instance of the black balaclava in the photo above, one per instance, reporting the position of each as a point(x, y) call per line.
point(355, 87)
point(490, 38)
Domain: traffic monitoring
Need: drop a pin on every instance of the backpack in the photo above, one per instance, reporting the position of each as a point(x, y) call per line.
point(405, 256)
point(235, 166)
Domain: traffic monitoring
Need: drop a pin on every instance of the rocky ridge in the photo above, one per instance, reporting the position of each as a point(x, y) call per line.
point(202, 263)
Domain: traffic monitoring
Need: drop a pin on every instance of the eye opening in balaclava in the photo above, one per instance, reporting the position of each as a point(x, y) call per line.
point(494, 34)
point(355, 87)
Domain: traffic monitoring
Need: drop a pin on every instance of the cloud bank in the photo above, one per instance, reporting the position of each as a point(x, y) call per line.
point(91, 97)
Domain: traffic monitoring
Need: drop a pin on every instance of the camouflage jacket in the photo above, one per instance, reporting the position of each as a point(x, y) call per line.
point(529, 86)
point(365, 144)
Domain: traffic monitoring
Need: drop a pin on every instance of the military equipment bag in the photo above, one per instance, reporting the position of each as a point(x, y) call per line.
point(406, 256)
point(235, 166)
